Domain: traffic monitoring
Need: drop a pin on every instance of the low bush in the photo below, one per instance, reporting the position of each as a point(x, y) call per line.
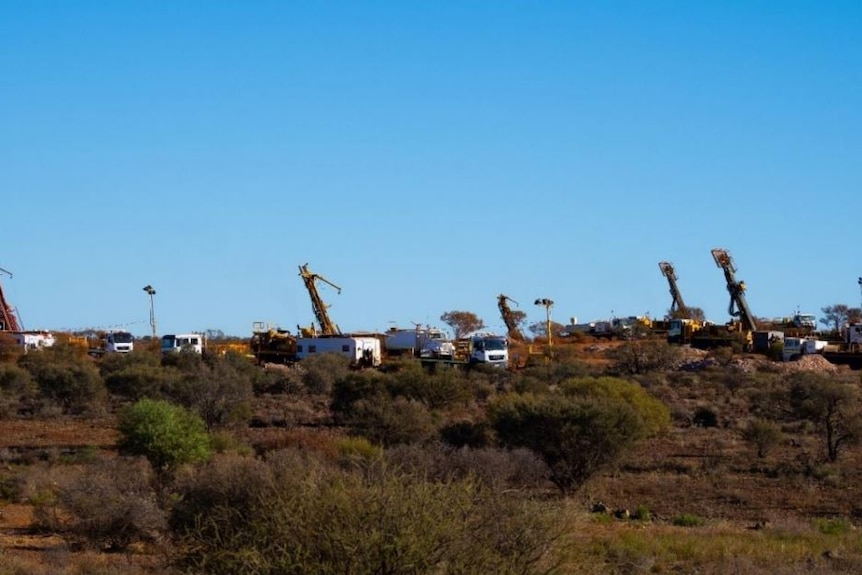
point(294, 514)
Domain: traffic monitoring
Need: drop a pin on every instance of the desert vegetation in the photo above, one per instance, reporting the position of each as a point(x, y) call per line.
point(624, 457)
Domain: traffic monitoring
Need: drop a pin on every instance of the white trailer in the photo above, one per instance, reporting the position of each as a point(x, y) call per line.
point(33, 340)
point(429, 342)
point(796, 347)
point(363, 351)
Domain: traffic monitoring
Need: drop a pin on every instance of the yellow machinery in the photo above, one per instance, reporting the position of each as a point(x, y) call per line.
point(681, 327)
point(272, 345)
point(327, 326)
point(742, 325)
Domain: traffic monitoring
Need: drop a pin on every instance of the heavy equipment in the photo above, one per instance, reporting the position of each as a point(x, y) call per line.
point(514, 332)
point(271, 344)
point(8, 315)
point(742, 325)
point(738, 307)
point(678, 326)
point(325, 323)
point(677, 306)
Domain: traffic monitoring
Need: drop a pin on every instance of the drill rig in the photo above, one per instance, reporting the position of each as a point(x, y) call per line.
point(514, 332)
point(327, 326)
point(8, 314)
point(681, 326)
point(677, 306)
point(742, 321)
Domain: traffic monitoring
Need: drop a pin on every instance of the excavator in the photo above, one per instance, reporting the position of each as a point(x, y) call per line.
point(327, 326)
point(514, 332)
point(8, 315)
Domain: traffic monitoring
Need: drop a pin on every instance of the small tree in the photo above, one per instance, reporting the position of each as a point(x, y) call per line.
point(763, 435)
point(166, 434)
point(462, 322)
point(65, 377)
point(540, 328)
point(838, 315)
point(831, 405)
point(580, 431)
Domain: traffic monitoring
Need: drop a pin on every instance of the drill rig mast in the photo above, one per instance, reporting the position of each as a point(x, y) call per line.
point(738, 306)
point(8, 315)
point(514, 331)
point(327, 327)
point(678, 308)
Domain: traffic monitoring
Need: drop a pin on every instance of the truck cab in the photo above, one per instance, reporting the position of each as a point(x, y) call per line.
point(119, 342)
point(489, 349)
point(175, 343)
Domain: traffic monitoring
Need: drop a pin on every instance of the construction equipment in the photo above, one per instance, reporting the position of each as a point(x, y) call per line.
point(325, 323)
point(8, 314)
point(739, 330)
point(679, 326)
point(678, 308)
point(738, 307)
point(514, 332)
point(270, 344)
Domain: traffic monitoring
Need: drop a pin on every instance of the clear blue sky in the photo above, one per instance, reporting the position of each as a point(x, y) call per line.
point(425, 156)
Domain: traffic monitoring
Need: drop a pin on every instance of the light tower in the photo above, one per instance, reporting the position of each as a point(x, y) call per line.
point(151, 292)
point(547, 304)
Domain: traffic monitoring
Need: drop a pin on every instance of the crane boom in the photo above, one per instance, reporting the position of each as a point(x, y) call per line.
point(327, 327)
point(514, 331)
point(8, 315)
point(677, 306)
point(738, 306)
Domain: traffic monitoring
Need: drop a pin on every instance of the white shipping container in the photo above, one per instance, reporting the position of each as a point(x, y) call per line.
point(362, 351)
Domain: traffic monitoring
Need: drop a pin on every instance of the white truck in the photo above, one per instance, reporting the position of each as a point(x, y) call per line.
point(429, 342)
point(117, 342)
point(796, 347)
point(175, 343)
point(489, 349)
point(363, 351)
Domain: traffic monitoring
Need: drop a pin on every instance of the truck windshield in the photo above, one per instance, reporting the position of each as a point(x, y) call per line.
point(122, 337)
point(495, 344)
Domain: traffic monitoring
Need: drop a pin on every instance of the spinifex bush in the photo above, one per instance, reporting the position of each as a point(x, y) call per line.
point(295, 514)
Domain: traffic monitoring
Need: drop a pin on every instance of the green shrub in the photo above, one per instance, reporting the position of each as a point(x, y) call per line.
point(137, 380)
point(642, 513)
point(69, 380)
point(687, 520)
point(836, 526)
point(17, 389)
point(581, 430)
point(218, 390)
point(388, 422)
point(320, 372)
point(166, 434)
point(764, 435)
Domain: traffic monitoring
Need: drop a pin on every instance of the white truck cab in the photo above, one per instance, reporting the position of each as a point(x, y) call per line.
point(489, 349)
point(119, 342)
point(175, 343)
